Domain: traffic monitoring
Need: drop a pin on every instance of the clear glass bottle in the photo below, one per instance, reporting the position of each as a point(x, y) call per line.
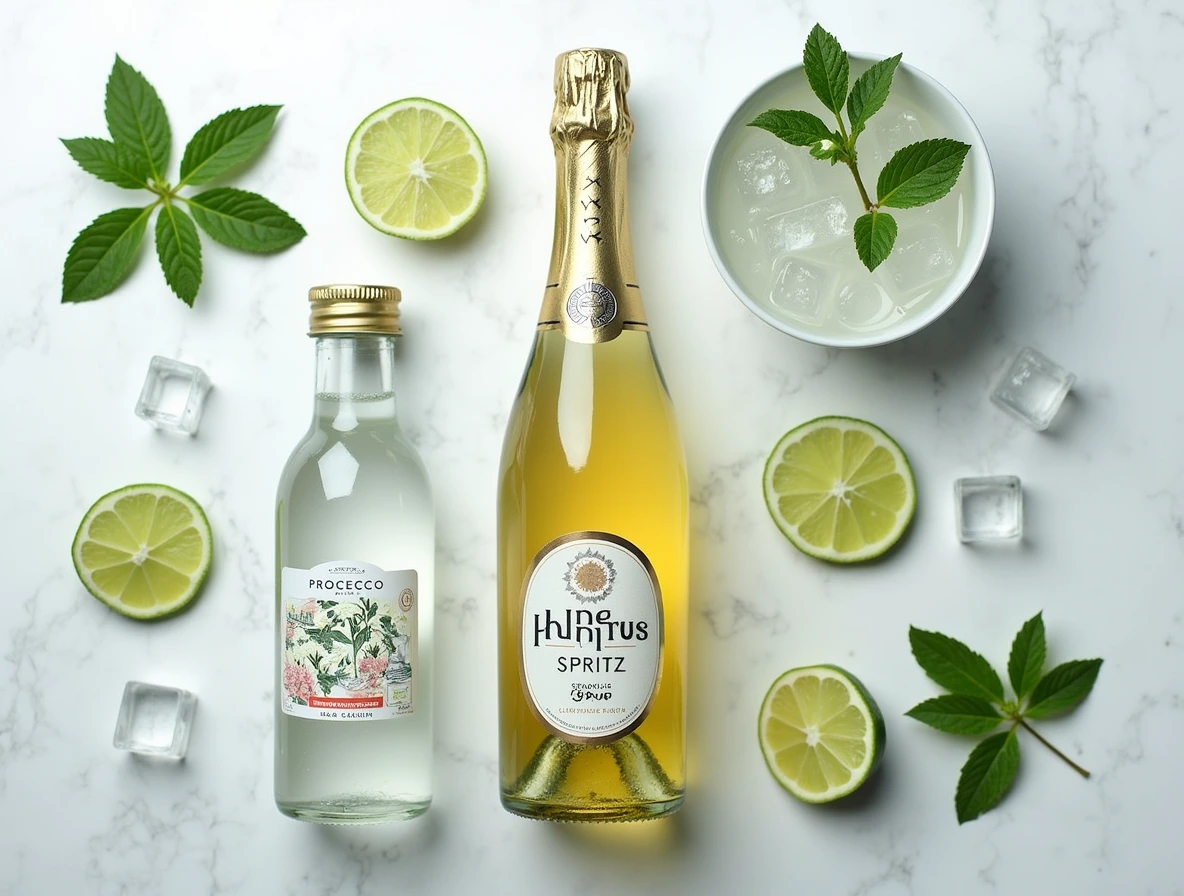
point(355, 555)
point(592, 510)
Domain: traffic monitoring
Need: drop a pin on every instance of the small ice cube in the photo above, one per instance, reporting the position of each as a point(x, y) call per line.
point(922, 256)
point(155, 720)
point(800, 290)
point(1033, 388)
point(811, 225)
point(863, 303)
point(894, 132)
point(174, 395)
point(769, 174)
point(988, 508)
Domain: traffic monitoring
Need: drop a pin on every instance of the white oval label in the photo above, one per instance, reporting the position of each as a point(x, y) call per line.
point(591, 637)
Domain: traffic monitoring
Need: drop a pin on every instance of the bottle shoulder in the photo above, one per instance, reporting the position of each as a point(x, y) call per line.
point(373, 456)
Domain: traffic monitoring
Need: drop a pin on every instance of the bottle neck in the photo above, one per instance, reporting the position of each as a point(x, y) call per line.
point(592, 292)
point(355, 379)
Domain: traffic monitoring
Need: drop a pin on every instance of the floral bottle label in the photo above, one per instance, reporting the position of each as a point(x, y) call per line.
point(348, 641)
point(591, 637)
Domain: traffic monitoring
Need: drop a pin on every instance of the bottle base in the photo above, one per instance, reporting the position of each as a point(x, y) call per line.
point(601, 811)
point(354, 811)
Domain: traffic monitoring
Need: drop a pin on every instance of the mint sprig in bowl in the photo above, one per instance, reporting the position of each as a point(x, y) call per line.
point(848, 201)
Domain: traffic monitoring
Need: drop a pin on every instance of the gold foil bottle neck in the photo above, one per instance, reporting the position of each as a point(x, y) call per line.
point(590, 88)
point(345, 308)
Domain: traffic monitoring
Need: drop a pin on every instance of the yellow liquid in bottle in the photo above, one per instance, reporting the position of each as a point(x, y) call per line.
point(592, 446)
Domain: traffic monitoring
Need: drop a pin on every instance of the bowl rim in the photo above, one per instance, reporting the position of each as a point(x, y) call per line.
point(957, 285)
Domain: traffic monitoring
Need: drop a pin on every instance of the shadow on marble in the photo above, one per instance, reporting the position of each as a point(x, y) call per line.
point(964, 332)
point(667, 837)
point(417, 835)
point(872, 792)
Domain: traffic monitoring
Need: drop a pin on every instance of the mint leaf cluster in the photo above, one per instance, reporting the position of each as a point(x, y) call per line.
point(918, 174)
point(977, 705)
point(136, 158)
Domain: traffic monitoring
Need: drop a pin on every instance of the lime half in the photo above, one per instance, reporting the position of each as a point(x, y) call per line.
point(840, 489)
point(821, 733)
point(144, 550)
point(415, 169)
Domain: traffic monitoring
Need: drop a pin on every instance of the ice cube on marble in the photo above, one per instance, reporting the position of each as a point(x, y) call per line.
point(155, 720)
point(174, 395)
point(922, 256)
point(801, 289)
point(1033, 388)
point(988, 508)
point(770, 175)
point(815, 224)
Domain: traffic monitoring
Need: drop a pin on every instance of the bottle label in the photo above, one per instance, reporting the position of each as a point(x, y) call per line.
point(348, 641)
point(591, 637)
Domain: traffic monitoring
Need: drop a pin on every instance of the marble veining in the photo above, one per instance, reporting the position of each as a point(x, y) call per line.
point(1078, 105)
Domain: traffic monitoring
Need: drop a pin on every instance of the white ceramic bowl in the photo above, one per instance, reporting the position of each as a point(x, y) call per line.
point(954, 121)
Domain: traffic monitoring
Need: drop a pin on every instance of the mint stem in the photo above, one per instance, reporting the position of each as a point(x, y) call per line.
point(849, 145)
point(1036, 734)
point(867, 203)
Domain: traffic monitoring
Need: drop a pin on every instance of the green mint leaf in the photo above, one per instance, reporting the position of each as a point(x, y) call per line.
point(955, 666)
point(875, 235)
point(103, 254)
point(987, 775)
point(179, 250)
point(921, 173)
point(1063, 688)
point(827, 68)
point(957, 714)
point(1026, 661)
point(829, 149)
point(869, 92)
point(793, 126)
point(136, 117)
point(112, 162)
point(244, 220)
point(230, 139)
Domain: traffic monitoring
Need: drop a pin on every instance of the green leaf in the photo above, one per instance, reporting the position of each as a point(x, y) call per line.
point(1063, 688)
point(112, 162)
point(869, 92)
point(955, 666)
point(1026, 661)
point(340, 637)
point(875, 235)
point(921, 173)
point(244, 220)
point(103, 254)
point(793, 126)
point(179, 250)
point(987, 775)
point(830, 149)
point(136, 117)
point(827, 68)
point(230, 139)
point(957, 714)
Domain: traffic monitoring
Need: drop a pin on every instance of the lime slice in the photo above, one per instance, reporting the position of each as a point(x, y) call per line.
point(821, 733)
point(840, 489)
point(416, 170)
point(143, 550)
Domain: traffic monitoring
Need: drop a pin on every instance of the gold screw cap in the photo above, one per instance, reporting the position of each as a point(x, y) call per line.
point(351, 308)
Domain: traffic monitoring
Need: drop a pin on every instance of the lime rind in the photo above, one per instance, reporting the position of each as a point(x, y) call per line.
point(452, 184)
point(783, 741)
point(178, 553)
point(868, 461)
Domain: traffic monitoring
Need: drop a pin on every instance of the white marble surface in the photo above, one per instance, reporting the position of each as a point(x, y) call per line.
point(1080, 105)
